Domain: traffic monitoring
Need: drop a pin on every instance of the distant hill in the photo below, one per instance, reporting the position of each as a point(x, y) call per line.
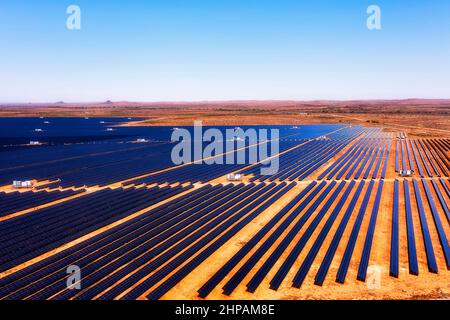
point(235, 103)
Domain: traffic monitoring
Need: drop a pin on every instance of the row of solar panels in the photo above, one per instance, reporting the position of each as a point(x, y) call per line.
point(156, 243)
point(27, 236)
point(424, 225)
point(427, 154)
point(301, 162)
point(301, 210)
point(359, 155)
point(18, 201)
point(102, 165)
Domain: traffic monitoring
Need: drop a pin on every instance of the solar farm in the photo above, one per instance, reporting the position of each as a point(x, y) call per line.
point(354, 212)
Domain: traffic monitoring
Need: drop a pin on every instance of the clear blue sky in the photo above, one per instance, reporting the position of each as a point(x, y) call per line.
point(223, 49)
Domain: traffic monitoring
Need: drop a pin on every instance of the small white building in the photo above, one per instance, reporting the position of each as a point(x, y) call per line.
point(406, 173)
point(22, 184)
point(34, 143)
point(234, 177)
point(38, 130)
point(141, 140)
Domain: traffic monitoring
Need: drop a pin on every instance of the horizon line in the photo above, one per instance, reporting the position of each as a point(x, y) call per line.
point(218, 101)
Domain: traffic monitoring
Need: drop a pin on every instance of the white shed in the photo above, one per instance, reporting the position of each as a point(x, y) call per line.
point(234, 177)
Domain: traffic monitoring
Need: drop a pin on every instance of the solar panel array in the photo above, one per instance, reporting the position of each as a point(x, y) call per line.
point(162, 238)
point(139, 227)
point(27, 236)
point(18, 201)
